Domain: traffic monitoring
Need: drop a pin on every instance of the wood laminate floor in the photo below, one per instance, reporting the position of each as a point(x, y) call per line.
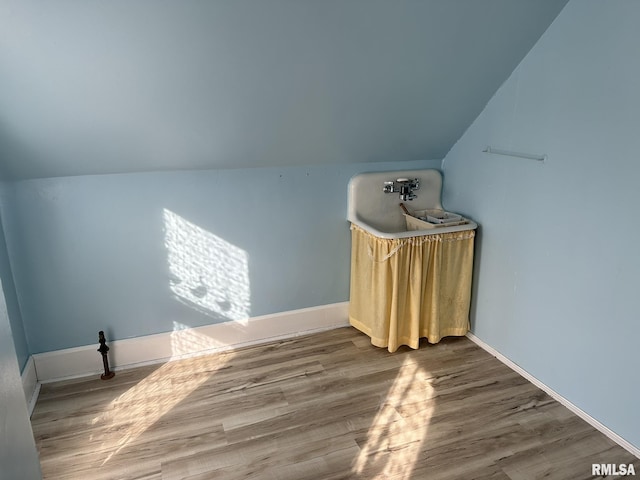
point(325, 406)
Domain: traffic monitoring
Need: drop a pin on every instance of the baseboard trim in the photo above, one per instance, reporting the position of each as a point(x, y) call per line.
point(187, 342)
point(30, 384)
point(556, 396)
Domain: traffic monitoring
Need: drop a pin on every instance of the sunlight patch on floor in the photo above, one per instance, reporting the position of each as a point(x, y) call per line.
point(135, 411)
point(396, 435)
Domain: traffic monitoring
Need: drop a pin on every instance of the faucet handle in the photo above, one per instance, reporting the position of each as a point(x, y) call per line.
point(388, 187)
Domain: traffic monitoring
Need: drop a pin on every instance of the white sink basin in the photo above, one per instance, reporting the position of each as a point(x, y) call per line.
point(380, 214)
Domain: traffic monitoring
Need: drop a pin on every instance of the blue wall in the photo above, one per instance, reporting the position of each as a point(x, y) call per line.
point(557, 268)
point(13, 308)
point(134, 253)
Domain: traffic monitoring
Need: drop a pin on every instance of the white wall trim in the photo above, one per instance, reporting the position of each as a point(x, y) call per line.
point(556, 396)
point(30, 384)
point(188, 342)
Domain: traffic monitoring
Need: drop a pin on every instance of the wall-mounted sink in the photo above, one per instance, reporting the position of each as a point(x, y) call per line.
point(374, 203)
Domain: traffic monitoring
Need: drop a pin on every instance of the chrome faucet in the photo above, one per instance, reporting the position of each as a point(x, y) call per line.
point(404, 186)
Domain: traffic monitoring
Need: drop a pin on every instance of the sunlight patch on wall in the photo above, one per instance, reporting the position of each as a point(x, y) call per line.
point(395, 438)
point(208, 273)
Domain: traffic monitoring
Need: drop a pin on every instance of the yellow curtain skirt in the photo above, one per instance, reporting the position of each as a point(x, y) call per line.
point(410, 288)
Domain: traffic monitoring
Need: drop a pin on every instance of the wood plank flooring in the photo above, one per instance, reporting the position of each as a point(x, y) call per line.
point(325, 406)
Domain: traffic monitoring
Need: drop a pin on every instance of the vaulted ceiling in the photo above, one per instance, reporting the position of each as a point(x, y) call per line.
point(119, 86)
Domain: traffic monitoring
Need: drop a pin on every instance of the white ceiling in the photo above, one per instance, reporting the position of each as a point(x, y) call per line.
point(98, 86)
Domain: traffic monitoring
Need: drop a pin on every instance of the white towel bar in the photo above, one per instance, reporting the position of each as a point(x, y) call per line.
point(529, 156)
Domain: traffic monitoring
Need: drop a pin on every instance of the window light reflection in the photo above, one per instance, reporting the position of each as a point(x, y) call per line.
point(127, 417)
point(396, 435)
point(207, 272)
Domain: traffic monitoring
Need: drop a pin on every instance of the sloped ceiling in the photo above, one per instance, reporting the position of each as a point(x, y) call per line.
point(98, 86)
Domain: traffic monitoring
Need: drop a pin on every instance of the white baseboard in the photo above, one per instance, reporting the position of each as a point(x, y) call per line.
point(30, 384)
point(556, 396)
point(186, 342)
